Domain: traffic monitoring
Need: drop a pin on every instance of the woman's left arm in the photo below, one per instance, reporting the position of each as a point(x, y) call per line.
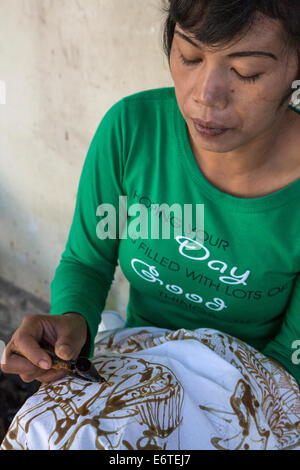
point(285, 346)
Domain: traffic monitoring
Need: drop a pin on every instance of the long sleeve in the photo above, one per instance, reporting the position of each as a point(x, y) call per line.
point(283, 347)
point(86, 270)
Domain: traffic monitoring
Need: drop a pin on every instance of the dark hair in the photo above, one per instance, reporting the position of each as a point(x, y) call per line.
point(220, 22)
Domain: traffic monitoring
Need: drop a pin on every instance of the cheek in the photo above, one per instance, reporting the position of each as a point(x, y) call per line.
point(256, 119)
point(273, 87)
point(180, 74)
point(257, 104)
point(180, 84)
point(175, 70)
point(183, 83)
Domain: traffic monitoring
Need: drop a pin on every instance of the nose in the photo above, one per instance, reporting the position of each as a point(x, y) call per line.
point(210, 89)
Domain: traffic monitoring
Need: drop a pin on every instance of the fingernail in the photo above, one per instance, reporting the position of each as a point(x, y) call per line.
point(44, 364)
point(65, 349)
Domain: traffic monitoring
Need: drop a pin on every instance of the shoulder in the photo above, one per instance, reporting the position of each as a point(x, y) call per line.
point(155, 94)
point(140, 107)
point(149, 103)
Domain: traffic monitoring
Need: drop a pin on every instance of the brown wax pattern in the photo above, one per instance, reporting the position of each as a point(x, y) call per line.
point(147, 393)
point(150, 396)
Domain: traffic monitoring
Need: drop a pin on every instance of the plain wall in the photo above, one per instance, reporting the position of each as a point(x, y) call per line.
point(64, 64)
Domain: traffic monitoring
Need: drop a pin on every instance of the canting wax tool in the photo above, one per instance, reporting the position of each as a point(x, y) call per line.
point(82, 367)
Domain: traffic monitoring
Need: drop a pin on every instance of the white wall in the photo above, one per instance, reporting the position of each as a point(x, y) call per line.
point(64, 63)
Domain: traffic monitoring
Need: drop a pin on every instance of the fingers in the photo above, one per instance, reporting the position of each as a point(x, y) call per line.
point(25, 342)
point(24, 355)
point(27, 346)
point(47, 377)
point(28, 372)
point(12, 363)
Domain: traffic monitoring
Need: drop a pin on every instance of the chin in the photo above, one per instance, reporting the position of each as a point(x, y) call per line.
point(217, 148)
point(223, 145)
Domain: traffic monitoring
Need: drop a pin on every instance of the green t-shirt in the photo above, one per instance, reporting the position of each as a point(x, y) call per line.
point(242, 278)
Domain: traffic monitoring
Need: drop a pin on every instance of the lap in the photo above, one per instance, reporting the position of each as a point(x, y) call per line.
point(184, 389)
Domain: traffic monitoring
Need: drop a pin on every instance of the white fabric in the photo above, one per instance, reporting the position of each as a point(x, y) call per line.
point(199, 389)
point(111, 320)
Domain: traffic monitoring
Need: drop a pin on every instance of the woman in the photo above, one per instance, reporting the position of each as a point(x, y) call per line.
point(226, 136)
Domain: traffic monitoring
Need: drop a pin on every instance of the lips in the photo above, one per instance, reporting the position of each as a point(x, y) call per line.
point(209, 124)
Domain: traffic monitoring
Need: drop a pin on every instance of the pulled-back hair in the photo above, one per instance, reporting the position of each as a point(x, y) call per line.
point(218, 23)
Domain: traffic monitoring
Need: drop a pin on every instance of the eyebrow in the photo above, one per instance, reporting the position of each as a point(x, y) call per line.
point(233, 54)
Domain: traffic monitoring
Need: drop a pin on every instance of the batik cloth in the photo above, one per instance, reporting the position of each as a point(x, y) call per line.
point(164, 389)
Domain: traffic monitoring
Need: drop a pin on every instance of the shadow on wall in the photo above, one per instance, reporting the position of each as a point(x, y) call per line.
point(15, 216)
point(15, 304)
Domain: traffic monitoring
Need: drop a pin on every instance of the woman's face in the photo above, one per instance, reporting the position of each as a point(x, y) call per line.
point(236, 87)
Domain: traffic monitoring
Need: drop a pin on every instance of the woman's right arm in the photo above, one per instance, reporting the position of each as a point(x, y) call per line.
point(86, 270)
point(85, 273)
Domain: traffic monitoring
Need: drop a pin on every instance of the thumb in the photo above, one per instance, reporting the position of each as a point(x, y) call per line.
point(65, 349)
point(70, 336)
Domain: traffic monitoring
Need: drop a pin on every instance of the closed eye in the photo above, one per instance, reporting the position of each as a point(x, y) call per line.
point(189, 62)
point(251, 78)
